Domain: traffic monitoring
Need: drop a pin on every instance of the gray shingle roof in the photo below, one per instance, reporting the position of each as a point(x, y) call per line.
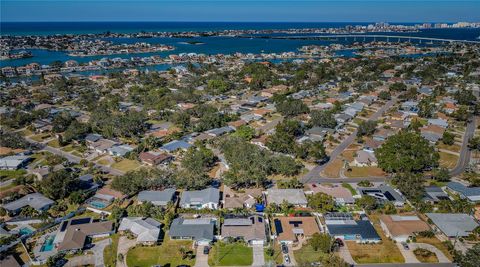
point(34, 200)
point(472, 193)
point(198, 229)
point(453, 224)
point(208, 195)
point(157, 197)
point(292, 196)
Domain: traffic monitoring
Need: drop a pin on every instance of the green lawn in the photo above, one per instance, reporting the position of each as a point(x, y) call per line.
point(110, 252)
point(277, 256)
point(350, 188)
point(11, 174)
point(168, 254)
point(126, 165)
point(54, 143)
point(307, 255)
point(235, 254)
point(40, 137)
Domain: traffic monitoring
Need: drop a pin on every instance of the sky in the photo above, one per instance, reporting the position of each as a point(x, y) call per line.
point(237, 10)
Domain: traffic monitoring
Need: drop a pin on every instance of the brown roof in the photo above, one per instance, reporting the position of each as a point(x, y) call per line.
point(237, 123)
point(237, 199)
point(403, 225)
point(76, 235)
point(291, 226)
point(433, 129)
point(111, 192)
point(153, 157)
point(336, 191)
point(9, 261)
point(253, 230)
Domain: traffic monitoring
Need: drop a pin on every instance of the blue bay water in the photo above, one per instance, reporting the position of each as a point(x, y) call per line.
point(209, 46)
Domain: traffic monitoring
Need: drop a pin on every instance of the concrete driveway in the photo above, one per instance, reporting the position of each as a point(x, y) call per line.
point(124, 244)
point(407, 254)
point(258, 256)
point(201, 260)
point(345, 254)
point(83, 260)
point(98, 249)
point(440, 256)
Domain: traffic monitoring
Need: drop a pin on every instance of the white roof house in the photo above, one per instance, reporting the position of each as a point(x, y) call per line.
point(293, 196)
point(147, 230)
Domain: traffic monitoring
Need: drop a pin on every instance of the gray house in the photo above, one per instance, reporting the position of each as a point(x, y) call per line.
point(199, 230)
point(383, 194)
point(201, 199)
point(157, 198)
point(34, 200)
point(453, 224)
point(470, 193)
point(295, 197)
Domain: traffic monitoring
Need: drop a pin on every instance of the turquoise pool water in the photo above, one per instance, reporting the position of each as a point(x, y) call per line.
point(25, 231)
point(48, 244)
point(98, 204)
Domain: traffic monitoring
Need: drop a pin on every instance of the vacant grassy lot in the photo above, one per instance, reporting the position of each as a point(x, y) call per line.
point(453, 148)
point(126, 165)
point(364, 172)
point(168, 254)
point(54, 143)
point(306, 254)
point(40, 137)
point(333, 169)
point(235, 254)
point(448, 160)
point(11, 174)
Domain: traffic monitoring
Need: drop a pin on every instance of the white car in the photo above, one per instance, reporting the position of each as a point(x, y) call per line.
point(286, 258)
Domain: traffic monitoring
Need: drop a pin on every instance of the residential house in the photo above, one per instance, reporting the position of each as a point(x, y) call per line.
point(364, 158)
point(147, 230)
point(439, 122)
point(453, 225)
point(76, 234)
point(102, 145)
point(175, 145)
point(432, 133)
point(220, 131)
point(120, 150)
point(382, 134)
point(200, 230)
point(472, 194)
point(290, 230)
point(401, 228)
point(343, 226)
point(434, 194)
point(383, 194)
point(35, 200)
point(14, 162)
point(341, 194)
point(244, 199)
point(251, 229)
point(202, 199)
point(153, 158)
point(295, 197)
point(157, 198)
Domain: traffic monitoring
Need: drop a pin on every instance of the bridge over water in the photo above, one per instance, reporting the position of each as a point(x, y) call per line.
point(364, 37)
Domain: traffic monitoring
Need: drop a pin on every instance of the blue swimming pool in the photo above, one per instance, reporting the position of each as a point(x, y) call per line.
point(98, 204)
point(25, 231)
point(48, 244)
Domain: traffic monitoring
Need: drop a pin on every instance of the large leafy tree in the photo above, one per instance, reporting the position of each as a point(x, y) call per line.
point(410, 184)
point(406, 152)
point(323, 119)
point(321, 202)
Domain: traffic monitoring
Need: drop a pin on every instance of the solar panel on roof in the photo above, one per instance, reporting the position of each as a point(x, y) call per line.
point(389, 196)
point(64, 226)
point(278, 226)
point(80, 221)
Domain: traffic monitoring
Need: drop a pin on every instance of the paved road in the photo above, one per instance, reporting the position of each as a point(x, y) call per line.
point(72, 158)
point(201, 260)
point(465, 152)
point(82, 260)
point(344, 253)
point(258, 256)
point(313, 176)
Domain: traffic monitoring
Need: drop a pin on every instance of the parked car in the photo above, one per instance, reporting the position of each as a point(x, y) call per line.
point(339, 242)
point(405, 246)
point(286, 258)
point(284, 249)
point(206, 250)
